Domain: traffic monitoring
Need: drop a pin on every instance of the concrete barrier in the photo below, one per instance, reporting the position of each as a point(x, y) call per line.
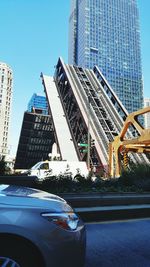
point(94, 207)
point(22, 180)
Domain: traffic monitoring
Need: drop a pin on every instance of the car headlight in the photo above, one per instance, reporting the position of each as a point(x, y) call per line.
point(67, 221)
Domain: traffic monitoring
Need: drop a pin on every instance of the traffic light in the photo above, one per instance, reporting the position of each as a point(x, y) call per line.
point(92, 142)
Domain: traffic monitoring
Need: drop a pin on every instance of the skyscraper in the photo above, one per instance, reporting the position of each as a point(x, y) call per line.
point(37, 134)
point(106, 33)
point(38, 102)
point(5, 106)
point(36, 140)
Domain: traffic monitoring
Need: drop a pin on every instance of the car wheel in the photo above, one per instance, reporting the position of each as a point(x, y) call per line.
point(5, 261)
point(19, 254)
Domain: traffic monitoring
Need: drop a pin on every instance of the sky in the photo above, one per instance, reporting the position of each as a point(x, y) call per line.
point(34, 33)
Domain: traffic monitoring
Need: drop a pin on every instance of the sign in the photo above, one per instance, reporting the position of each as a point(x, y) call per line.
point(83, 144)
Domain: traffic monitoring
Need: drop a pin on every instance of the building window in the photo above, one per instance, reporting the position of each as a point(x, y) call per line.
point(2, 79)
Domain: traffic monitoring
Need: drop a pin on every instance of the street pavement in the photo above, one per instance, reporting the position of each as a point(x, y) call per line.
point(118, 244)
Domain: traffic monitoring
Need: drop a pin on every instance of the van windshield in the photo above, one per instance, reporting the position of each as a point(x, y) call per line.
point(36, 166)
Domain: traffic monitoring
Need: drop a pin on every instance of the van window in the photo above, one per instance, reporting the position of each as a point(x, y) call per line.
point(44, 166)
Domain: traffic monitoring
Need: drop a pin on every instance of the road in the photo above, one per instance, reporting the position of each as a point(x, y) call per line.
point(118, 244)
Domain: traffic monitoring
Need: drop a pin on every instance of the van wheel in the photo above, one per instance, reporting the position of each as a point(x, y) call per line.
point(78, 178)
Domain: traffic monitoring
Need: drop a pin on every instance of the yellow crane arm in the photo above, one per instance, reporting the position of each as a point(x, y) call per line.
point(140, 144)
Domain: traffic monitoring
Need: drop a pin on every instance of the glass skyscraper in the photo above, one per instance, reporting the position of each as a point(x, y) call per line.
point(38, 102)
point(106, 33)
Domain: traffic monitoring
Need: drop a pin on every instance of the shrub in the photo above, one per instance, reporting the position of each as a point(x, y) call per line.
point(138, 176)
point(3, 167)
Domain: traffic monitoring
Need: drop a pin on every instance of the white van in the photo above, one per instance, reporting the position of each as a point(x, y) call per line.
point(45, 169)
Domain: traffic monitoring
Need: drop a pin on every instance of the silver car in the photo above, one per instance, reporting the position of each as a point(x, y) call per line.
point(38, 229)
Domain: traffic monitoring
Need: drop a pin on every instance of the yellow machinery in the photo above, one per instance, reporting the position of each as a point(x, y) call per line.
point(122, 144)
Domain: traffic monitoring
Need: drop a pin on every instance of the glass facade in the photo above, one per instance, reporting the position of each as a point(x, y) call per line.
point(106, 33)
point(38, 102)
point(72, 32)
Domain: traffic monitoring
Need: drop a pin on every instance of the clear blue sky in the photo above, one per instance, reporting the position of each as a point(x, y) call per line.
point(34, 33)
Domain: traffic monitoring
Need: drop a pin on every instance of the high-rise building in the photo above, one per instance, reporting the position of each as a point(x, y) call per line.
point(147, 115)
point(38, 102)
point(37, 134)
point(6, 78)
point(106, 33)
point(36, 140)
